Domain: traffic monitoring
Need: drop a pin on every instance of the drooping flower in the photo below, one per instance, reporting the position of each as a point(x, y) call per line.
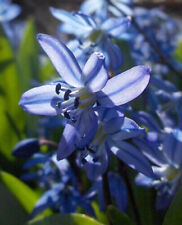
point(163, 148)
point(78, 93)
point(113, 131)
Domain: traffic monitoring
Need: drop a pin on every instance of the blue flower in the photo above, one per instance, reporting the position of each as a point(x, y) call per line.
point(113, 131)
point(163, 149)
point(8, 11)
point(78, 93)
point(99, 7)
point(95, 35)
point(62, 192)
point(162, 31)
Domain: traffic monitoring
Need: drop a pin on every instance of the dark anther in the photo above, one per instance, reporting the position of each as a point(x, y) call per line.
point(76, 102)
point(80, 149)
point(84, 161)
point(73, 120)
point(66, 94)
point(59, 105)
point(66, 115)
point(90, 149)
point(98, 104)
point(58, 88)
point(96, 159)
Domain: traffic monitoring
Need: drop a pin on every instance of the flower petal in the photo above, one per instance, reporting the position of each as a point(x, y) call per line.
point(95, 169)
point(10, 13)
point(67, 143)
point(41, 100)
point(122, 128)
point(144, 181)
point(62, 58)
point(131, 156)
point(118, 190)
point(151, 148)
point(124, 87)
point(87, 127)
point(116, 26)
point(95, 74)
point(114, 57)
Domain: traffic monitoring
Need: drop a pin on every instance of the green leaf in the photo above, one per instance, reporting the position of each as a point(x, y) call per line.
point(101, 216)
point(65, 219)
point(145, 204)
point(47, 71)
point(27, 59)
point(178, 52)
point(174, 213)
point(25, 196)
point(12, 117)
point(11, 212)
point(117, 217)
point(29, 68)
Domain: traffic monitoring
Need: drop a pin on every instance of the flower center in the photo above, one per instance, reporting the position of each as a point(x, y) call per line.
point(172, 172)
point(75, 100)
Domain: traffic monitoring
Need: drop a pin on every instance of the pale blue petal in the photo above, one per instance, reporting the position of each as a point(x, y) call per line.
point(131, 156)
point(152, 148)
point(95, 74)
point(123, 8)
point(77, 23)
point(62, 58)
point(123, 128)
point(125, 86)
point(116, 26)
point(106, 114)
point(87, 125)
point(90, 6)
point(113, 54)
point(10, 13)
point(67, 142)
point(144, 181)
point(41, 100)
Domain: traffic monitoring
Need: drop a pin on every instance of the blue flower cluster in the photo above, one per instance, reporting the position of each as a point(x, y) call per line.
point(92, 99)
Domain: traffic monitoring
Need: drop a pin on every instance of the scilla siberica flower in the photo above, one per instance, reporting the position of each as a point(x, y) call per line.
point(94, 35)
point(163, 148)
point(113, 131)
point(75, 96)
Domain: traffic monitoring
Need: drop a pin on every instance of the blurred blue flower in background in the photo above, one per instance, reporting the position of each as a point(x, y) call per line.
point(94, 34)
point(163, 148)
